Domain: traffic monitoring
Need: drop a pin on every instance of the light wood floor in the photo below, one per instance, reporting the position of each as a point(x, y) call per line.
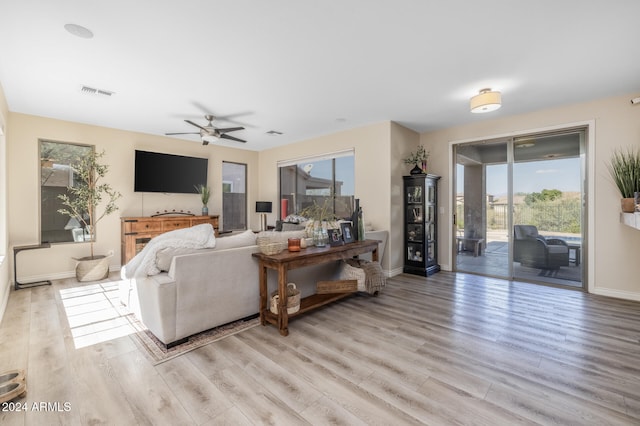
point(448, 349)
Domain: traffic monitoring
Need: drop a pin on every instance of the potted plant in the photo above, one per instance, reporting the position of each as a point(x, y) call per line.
point(419, 160)
point(624, 168)
point(205, 194)
point(81, 203)
point(319, 220)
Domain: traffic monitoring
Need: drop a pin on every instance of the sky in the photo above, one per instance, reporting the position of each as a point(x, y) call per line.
point(344, 172)
point(562, 174)
point(534, 176)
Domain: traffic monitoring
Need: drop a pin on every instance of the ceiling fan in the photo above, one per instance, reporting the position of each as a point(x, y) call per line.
point(211, 131)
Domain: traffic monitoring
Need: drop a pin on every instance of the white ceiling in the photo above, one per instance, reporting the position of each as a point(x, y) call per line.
point(308, 68)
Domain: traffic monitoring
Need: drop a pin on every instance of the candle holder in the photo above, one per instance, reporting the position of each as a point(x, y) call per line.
point(294, 244)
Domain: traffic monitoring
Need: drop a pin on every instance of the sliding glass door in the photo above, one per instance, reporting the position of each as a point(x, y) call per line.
point(482, 200)
point(520, 207)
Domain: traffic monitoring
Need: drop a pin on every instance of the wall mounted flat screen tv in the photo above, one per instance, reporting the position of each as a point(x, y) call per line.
point(158, 172)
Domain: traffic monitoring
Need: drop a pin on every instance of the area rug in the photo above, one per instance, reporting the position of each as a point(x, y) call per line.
point(158, 353)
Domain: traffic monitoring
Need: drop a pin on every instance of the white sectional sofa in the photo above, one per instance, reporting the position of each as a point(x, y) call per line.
point(200, 289)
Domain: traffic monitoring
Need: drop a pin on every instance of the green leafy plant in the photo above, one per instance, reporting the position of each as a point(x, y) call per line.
point(320, 213)
point(88, 192)
point(544, 196)
point(417, 157)
point(205, 193)
point(624, 168)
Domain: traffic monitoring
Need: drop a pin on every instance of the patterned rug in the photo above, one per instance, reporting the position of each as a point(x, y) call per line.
point(158, 353)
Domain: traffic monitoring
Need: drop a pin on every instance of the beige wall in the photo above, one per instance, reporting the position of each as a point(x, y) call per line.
point(5, 280)
point(613, 248)
point(119, 145)
point(377, 183)
point(403, 142)
point(379, 149)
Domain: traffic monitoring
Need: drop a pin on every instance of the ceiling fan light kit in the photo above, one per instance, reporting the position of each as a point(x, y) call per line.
point(486, 101)
point(210, 133)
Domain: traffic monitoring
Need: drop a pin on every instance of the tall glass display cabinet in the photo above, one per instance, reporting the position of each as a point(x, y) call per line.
point(420, 224)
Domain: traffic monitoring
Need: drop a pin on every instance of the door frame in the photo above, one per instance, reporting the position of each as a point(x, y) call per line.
point(588, 210)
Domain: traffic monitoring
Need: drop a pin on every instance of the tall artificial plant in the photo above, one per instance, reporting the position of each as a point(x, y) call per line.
point(624, 168)
point(88, 192)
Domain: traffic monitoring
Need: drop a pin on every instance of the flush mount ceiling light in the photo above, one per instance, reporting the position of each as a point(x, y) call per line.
point(485, 101)
point(78, 31)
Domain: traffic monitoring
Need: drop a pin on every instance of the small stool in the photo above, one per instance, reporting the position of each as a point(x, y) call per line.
point(477, 245)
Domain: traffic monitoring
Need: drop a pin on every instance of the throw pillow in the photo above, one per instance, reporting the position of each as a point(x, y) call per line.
point(286, 226)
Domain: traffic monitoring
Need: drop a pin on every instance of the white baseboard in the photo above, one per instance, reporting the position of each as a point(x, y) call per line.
point(618, 294)
point(394, 272)
point(57, 276)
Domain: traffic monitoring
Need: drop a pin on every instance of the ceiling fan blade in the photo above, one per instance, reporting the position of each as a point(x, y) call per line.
point(230, 129)
point(223, 136)
point(197, 125)
point(191, 133)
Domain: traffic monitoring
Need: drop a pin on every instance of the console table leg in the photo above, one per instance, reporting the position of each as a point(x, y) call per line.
point(283, 314)
point(263, 293)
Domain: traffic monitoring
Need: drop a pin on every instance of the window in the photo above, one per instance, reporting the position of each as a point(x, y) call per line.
point(56, 175)
point(326, 180)
point(234, 196)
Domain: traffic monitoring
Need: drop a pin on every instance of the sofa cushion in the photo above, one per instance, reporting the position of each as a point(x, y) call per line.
point(281, 237)
point(164, 256)
point(286, 226)
point(557, 249)
point(246, 238)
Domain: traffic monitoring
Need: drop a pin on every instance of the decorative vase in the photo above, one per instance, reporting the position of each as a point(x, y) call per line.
point(320, 235)
point(424, 166)
point(361, 236)
point(417, 170)
point(628, 205)
point(205, 211)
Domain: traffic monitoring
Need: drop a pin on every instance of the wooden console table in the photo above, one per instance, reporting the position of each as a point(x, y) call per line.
point(284, 261)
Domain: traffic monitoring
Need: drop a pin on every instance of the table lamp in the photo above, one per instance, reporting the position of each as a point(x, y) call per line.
point(263, 207)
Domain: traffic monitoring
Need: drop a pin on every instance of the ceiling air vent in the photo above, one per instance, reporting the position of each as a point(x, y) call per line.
point(97, 92)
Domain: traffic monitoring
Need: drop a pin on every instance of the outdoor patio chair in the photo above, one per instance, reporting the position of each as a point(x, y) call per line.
point(535, 251)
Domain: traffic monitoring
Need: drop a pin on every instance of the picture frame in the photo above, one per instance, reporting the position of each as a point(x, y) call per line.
point(334, 237)
point(347, 232)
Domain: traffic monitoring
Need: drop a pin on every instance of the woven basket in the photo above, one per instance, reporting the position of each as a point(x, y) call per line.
point(269, 247)
point(293, 300)
point(349, 272)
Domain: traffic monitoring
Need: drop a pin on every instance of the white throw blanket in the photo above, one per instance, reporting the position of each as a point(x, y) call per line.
point(144, 263)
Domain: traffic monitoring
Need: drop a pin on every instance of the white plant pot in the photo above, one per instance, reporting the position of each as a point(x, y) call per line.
point(92, 269)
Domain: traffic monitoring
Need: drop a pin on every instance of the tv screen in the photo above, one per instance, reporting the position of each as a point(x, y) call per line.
point(158, 172)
